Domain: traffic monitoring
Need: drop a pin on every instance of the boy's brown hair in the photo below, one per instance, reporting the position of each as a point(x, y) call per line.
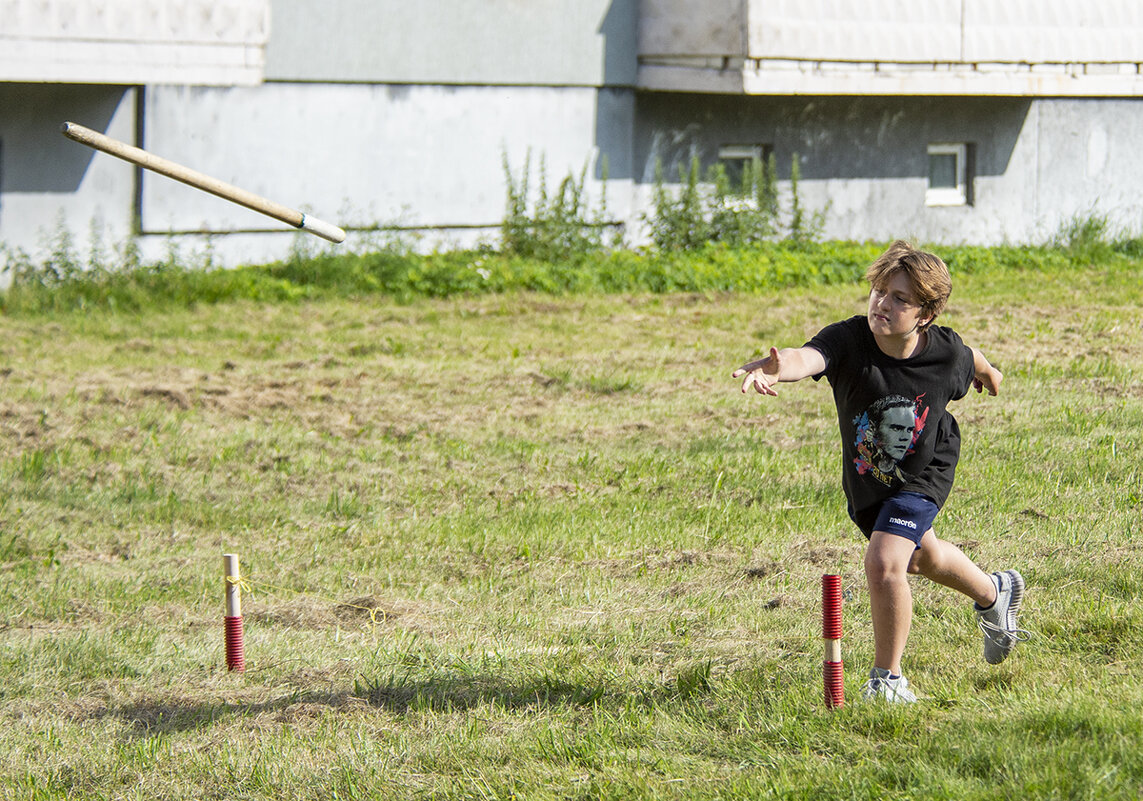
point(928, 275)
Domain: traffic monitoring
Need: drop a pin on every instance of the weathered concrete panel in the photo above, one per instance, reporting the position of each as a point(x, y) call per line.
point(713, 28)
point(134, 41)
point(429, 158)
point(1053, 31)
point(558, 42)
point(1037, 48)
point(49, 184)
point(364, 155)
point(863, 160)
point(845, 30)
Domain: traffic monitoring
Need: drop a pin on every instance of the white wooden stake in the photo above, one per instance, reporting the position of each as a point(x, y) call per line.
point(233, 591)
point(149, 161)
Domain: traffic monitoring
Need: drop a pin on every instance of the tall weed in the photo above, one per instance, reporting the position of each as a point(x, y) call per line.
point(556, 226)
point(697, 212)
point(680, 220)
point(805, 226)
point(1090, 238)
point(1085, 237)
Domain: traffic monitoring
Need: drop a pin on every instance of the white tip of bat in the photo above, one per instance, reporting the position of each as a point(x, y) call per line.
point(321, 228)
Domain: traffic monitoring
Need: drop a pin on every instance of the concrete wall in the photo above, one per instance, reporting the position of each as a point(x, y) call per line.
point(714, 28)
point(375, 112)
point(499, 42)
point(133, 41)
point(1012, 31)
point(1036, 48)
point(49, 184)
point(429, 158)
point(432, 158)
point(361, 155)
point(417, 137)
point(864, 160)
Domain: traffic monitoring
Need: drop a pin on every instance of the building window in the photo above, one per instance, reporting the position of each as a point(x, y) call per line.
point(950, 175)
point(743, 162)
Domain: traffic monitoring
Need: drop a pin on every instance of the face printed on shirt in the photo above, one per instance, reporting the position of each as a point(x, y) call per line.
point(886, 434)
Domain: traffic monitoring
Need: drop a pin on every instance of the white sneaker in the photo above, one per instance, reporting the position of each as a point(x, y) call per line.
point(998, 622)
point(891, 690)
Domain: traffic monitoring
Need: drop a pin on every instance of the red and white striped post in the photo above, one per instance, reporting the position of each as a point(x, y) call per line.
point(235, 648)
point(832, 671)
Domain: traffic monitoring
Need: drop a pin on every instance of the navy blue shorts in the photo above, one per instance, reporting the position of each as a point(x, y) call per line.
point(906, 514)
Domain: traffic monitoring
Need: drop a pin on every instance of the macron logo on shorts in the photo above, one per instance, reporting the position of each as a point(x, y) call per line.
point(906, 523)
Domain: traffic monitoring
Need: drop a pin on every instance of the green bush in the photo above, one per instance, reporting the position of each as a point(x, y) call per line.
point(715, 267)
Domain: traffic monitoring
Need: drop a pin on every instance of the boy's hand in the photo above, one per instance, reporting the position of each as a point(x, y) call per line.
point(761, 374)
point(984, 375)
point(988, 379)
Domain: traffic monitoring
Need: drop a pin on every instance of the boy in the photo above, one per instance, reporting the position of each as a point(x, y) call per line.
point(892, 374)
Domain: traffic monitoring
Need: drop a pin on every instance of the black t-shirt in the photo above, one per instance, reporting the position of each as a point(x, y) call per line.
point(896, 434)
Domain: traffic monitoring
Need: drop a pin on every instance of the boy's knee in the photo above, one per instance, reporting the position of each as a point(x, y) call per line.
point(883, 574)
point(888, 561)
point(879, 570)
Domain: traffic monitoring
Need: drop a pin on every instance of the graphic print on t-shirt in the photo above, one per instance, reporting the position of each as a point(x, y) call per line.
point(886, 433)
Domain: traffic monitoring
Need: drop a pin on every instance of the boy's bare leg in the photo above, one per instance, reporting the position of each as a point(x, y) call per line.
point(887, 562)
point(947, 565)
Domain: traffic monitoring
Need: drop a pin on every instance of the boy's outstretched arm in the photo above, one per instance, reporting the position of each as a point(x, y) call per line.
point(788, 364)
point(985, 376)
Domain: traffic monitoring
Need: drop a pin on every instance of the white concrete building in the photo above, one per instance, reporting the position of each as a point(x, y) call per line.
point(947, 120)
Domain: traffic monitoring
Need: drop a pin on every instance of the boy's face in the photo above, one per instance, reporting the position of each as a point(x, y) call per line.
point(893, 308)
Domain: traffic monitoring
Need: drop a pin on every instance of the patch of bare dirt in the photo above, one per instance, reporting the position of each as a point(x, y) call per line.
point(307, 612)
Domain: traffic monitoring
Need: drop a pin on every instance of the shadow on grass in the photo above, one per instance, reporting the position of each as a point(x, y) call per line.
point(460, 693)
point(398, 696)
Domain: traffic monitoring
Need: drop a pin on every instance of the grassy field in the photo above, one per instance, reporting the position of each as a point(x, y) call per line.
point(536, 547)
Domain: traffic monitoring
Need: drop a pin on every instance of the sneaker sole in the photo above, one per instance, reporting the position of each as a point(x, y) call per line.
point(1017, 596)
point(1014, 601)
